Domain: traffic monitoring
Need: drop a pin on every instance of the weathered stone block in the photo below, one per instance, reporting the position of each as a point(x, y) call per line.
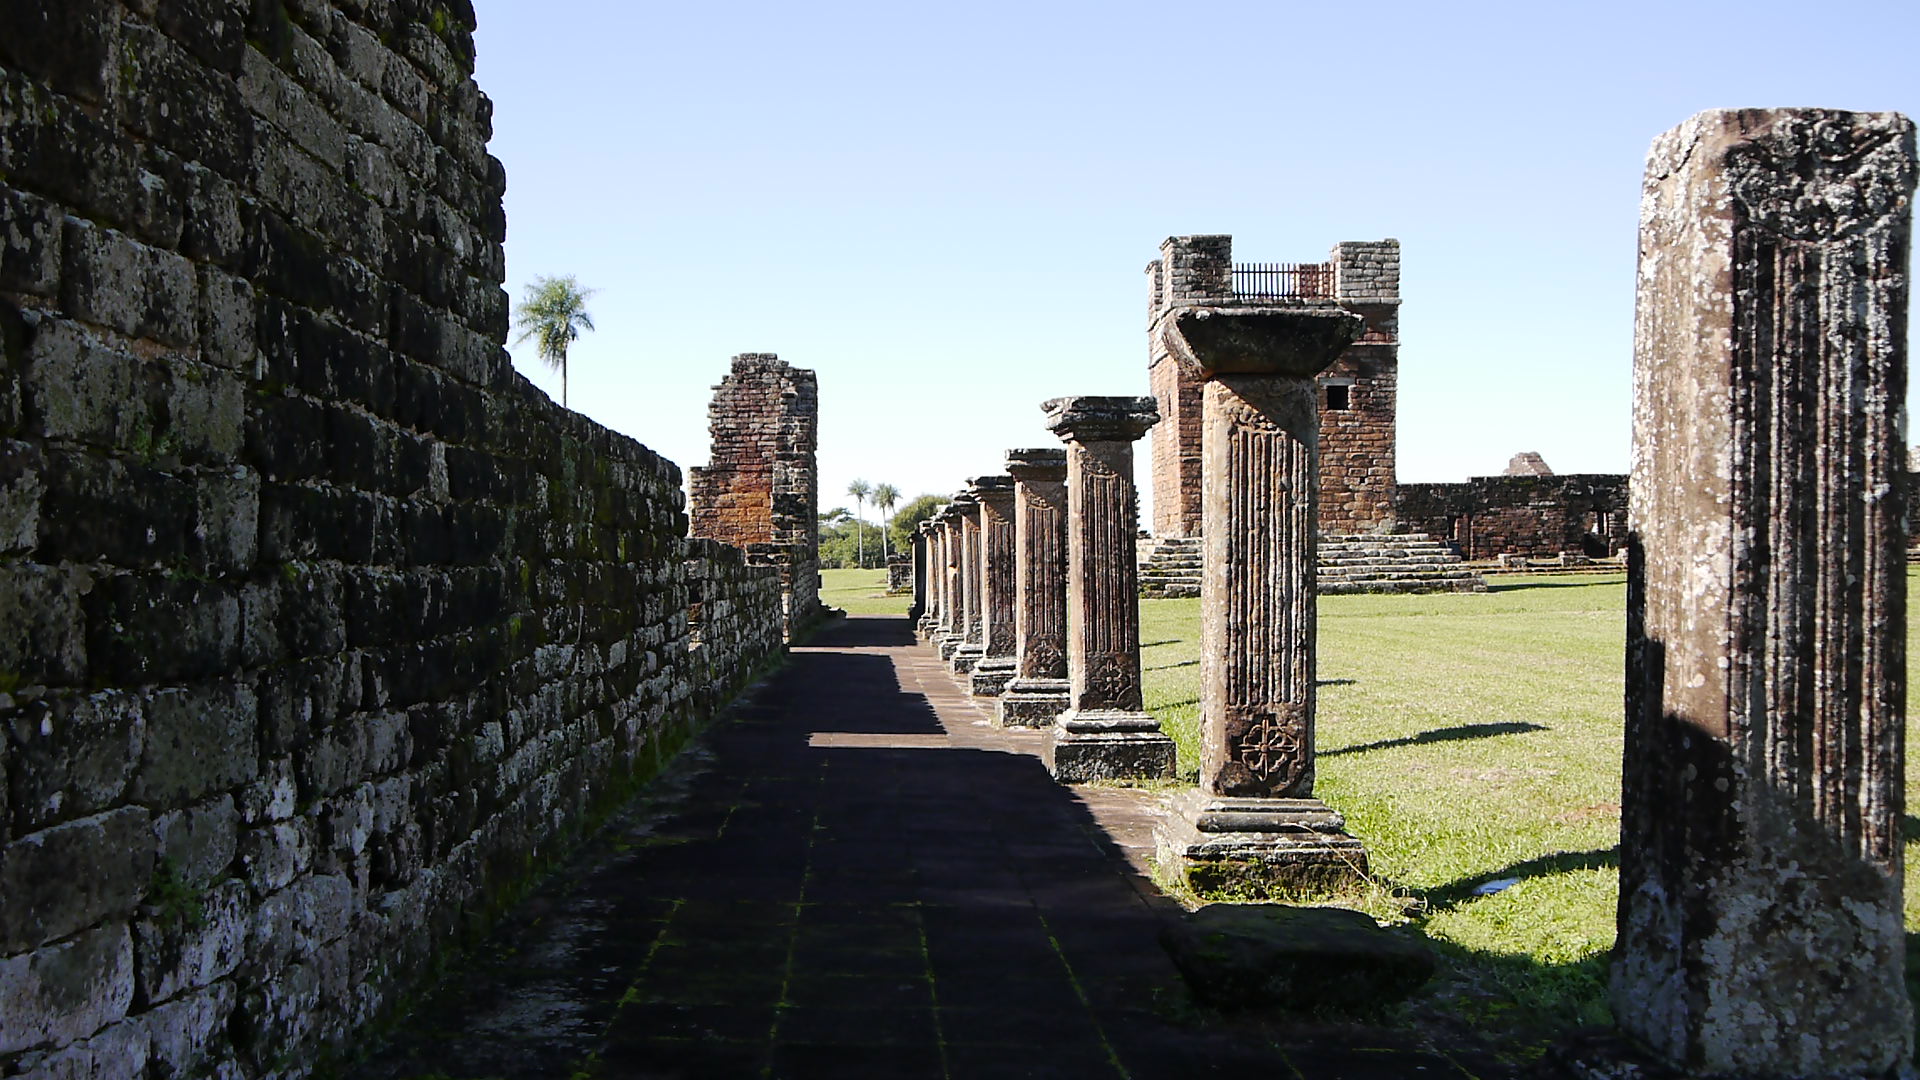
point(191, 1031)
point(82, 389)
point(150, 628)
point(118, 1052)
point(226, 317)
point(70, 45)
point(198, 741)
point(1250, 956)
point(275, 855)
point(74, 755)
point(42, 630)
point(296, 921)
point(113, 280)
point(21, 485)
point(99, 508)
point(278, 99)
point(68, 991)
point(55, 147)
point(30, 239)
point(205, 411)
point(64, 879)
point(167, 96)
point(199, 843)
point(191, 938)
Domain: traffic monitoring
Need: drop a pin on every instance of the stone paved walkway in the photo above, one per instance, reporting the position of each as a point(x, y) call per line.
point(860, 877)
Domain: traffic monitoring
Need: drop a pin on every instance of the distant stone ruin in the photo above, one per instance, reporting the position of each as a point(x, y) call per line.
point(1536, 516)
point(1357, 394)
point(760, 491)
point(1527, 463)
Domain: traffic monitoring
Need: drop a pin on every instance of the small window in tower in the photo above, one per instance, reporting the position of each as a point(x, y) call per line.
point(1339, 396)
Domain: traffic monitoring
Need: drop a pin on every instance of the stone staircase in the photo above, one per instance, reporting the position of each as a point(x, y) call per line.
point(1169, 568)
point(1413, 563)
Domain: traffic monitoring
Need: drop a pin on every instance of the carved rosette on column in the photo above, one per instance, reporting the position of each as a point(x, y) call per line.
point(1760, 927)
point(967, 622)
point(995, 668)
point(1105, 733)
point(1038, 692)
point(1253, 824)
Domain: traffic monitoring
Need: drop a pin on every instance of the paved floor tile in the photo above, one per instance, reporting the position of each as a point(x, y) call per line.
point(859, 876)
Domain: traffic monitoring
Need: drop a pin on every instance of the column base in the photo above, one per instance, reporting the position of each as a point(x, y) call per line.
point(1108, 745)
point(1255, 848)
point(991, 675)
point(926, 627)
point(965, 655)
point(947, 641)
point(1033, 702)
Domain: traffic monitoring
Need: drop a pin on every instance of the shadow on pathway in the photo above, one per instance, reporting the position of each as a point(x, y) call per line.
point(858, 877)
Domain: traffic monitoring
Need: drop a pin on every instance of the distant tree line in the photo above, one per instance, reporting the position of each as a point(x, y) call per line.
point(848, 540)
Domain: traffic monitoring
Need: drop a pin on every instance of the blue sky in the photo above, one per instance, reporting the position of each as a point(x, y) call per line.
point(945, 210)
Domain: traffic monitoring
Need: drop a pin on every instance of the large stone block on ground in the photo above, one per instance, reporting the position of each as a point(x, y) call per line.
point(1247, 956)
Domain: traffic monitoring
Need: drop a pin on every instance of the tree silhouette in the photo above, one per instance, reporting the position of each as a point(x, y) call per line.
point(859, 489)
point(553, 312)
point(884, 496)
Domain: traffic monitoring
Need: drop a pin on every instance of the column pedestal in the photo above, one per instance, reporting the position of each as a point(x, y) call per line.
point(1108, 745)
point(1253, 846)
point(1106, 734)
point(1033, 702)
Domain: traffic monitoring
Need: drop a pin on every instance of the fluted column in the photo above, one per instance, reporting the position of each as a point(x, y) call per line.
point(995, 667)
point(1105, 733)
point(1252, 823)
point(1038, 692)
point(966, 512)
point(917, 611)
point(1761, 808)
point(952, 629)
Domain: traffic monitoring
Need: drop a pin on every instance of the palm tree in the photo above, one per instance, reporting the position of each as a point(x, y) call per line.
point(859, 489)
point(553, 312)
point(884, 496)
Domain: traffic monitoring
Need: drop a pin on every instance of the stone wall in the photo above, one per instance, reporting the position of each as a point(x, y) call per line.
point(734, 612)
point(319, 627)
point(760, 491)
point(1536, 516)
point(1358, 394)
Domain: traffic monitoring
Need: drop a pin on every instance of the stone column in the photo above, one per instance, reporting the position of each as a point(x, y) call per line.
point(927, 567)
point(1038, 692)
point(1105, 733)
point(917, 559)
point(1760, 874)
point(967, 651)
point(952, 620)
point(1253, 823)
point(995, 668)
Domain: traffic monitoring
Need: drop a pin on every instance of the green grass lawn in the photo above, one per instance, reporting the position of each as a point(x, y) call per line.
point(861, 592)
point(1470, 738)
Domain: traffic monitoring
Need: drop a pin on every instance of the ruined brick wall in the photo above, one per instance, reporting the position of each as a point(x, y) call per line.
point(318, 625)
point(1358, 393)
point(760, 491)
point(1536, 516)
point(1190, 270)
